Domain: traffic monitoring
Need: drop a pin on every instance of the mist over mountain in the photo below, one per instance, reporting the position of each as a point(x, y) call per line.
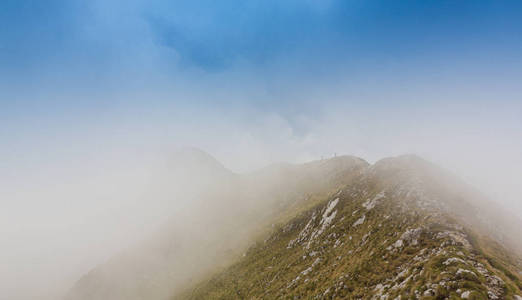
point(323, 229)
point(353, 149)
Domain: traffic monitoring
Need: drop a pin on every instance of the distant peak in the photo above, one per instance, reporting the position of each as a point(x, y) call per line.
point(402, 161)
point(406, 164)
point(196, 159)
point(194, 153)
point(348, 158)
point(339, 159)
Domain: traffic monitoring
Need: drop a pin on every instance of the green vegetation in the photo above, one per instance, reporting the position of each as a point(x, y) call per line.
point(378, 238)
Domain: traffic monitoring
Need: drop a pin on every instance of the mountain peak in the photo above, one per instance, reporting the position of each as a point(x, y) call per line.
point(187, 162)
point(402, 162)
point(195, 156)
point(336, 228)
point(392, 233)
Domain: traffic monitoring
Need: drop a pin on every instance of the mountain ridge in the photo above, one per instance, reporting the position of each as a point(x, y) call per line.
point(414, 230)
point(226, 213)
point(291, 196)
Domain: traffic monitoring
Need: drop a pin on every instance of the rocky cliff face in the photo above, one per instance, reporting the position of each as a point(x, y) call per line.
point(401, 229)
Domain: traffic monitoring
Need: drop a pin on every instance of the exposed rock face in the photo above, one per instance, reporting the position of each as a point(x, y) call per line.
point(411, 236)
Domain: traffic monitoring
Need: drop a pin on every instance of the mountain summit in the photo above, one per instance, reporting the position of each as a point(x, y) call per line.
point(340, 228)
point(403, 229)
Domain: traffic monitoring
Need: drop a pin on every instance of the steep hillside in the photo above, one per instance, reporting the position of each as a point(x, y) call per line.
point(227, 212)
point(401, 229)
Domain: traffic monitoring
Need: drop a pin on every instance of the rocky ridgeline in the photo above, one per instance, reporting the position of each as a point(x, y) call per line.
point(387, 235)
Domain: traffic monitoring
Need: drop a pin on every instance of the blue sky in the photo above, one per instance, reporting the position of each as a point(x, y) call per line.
point(89, 44)
point(80, 68)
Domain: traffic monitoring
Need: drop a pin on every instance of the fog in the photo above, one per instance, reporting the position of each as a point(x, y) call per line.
point(98, 97)
point(71, 203)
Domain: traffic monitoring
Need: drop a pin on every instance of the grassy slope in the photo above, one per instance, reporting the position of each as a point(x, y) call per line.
point(231, 213)
point(347, 261)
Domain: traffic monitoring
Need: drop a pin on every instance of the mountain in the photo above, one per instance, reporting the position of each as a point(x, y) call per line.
point(401, 228)
point(222, 214)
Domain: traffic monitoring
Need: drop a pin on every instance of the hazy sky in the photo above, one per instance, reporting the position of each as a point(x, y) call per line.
point(254, 82)
point(95, 93)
